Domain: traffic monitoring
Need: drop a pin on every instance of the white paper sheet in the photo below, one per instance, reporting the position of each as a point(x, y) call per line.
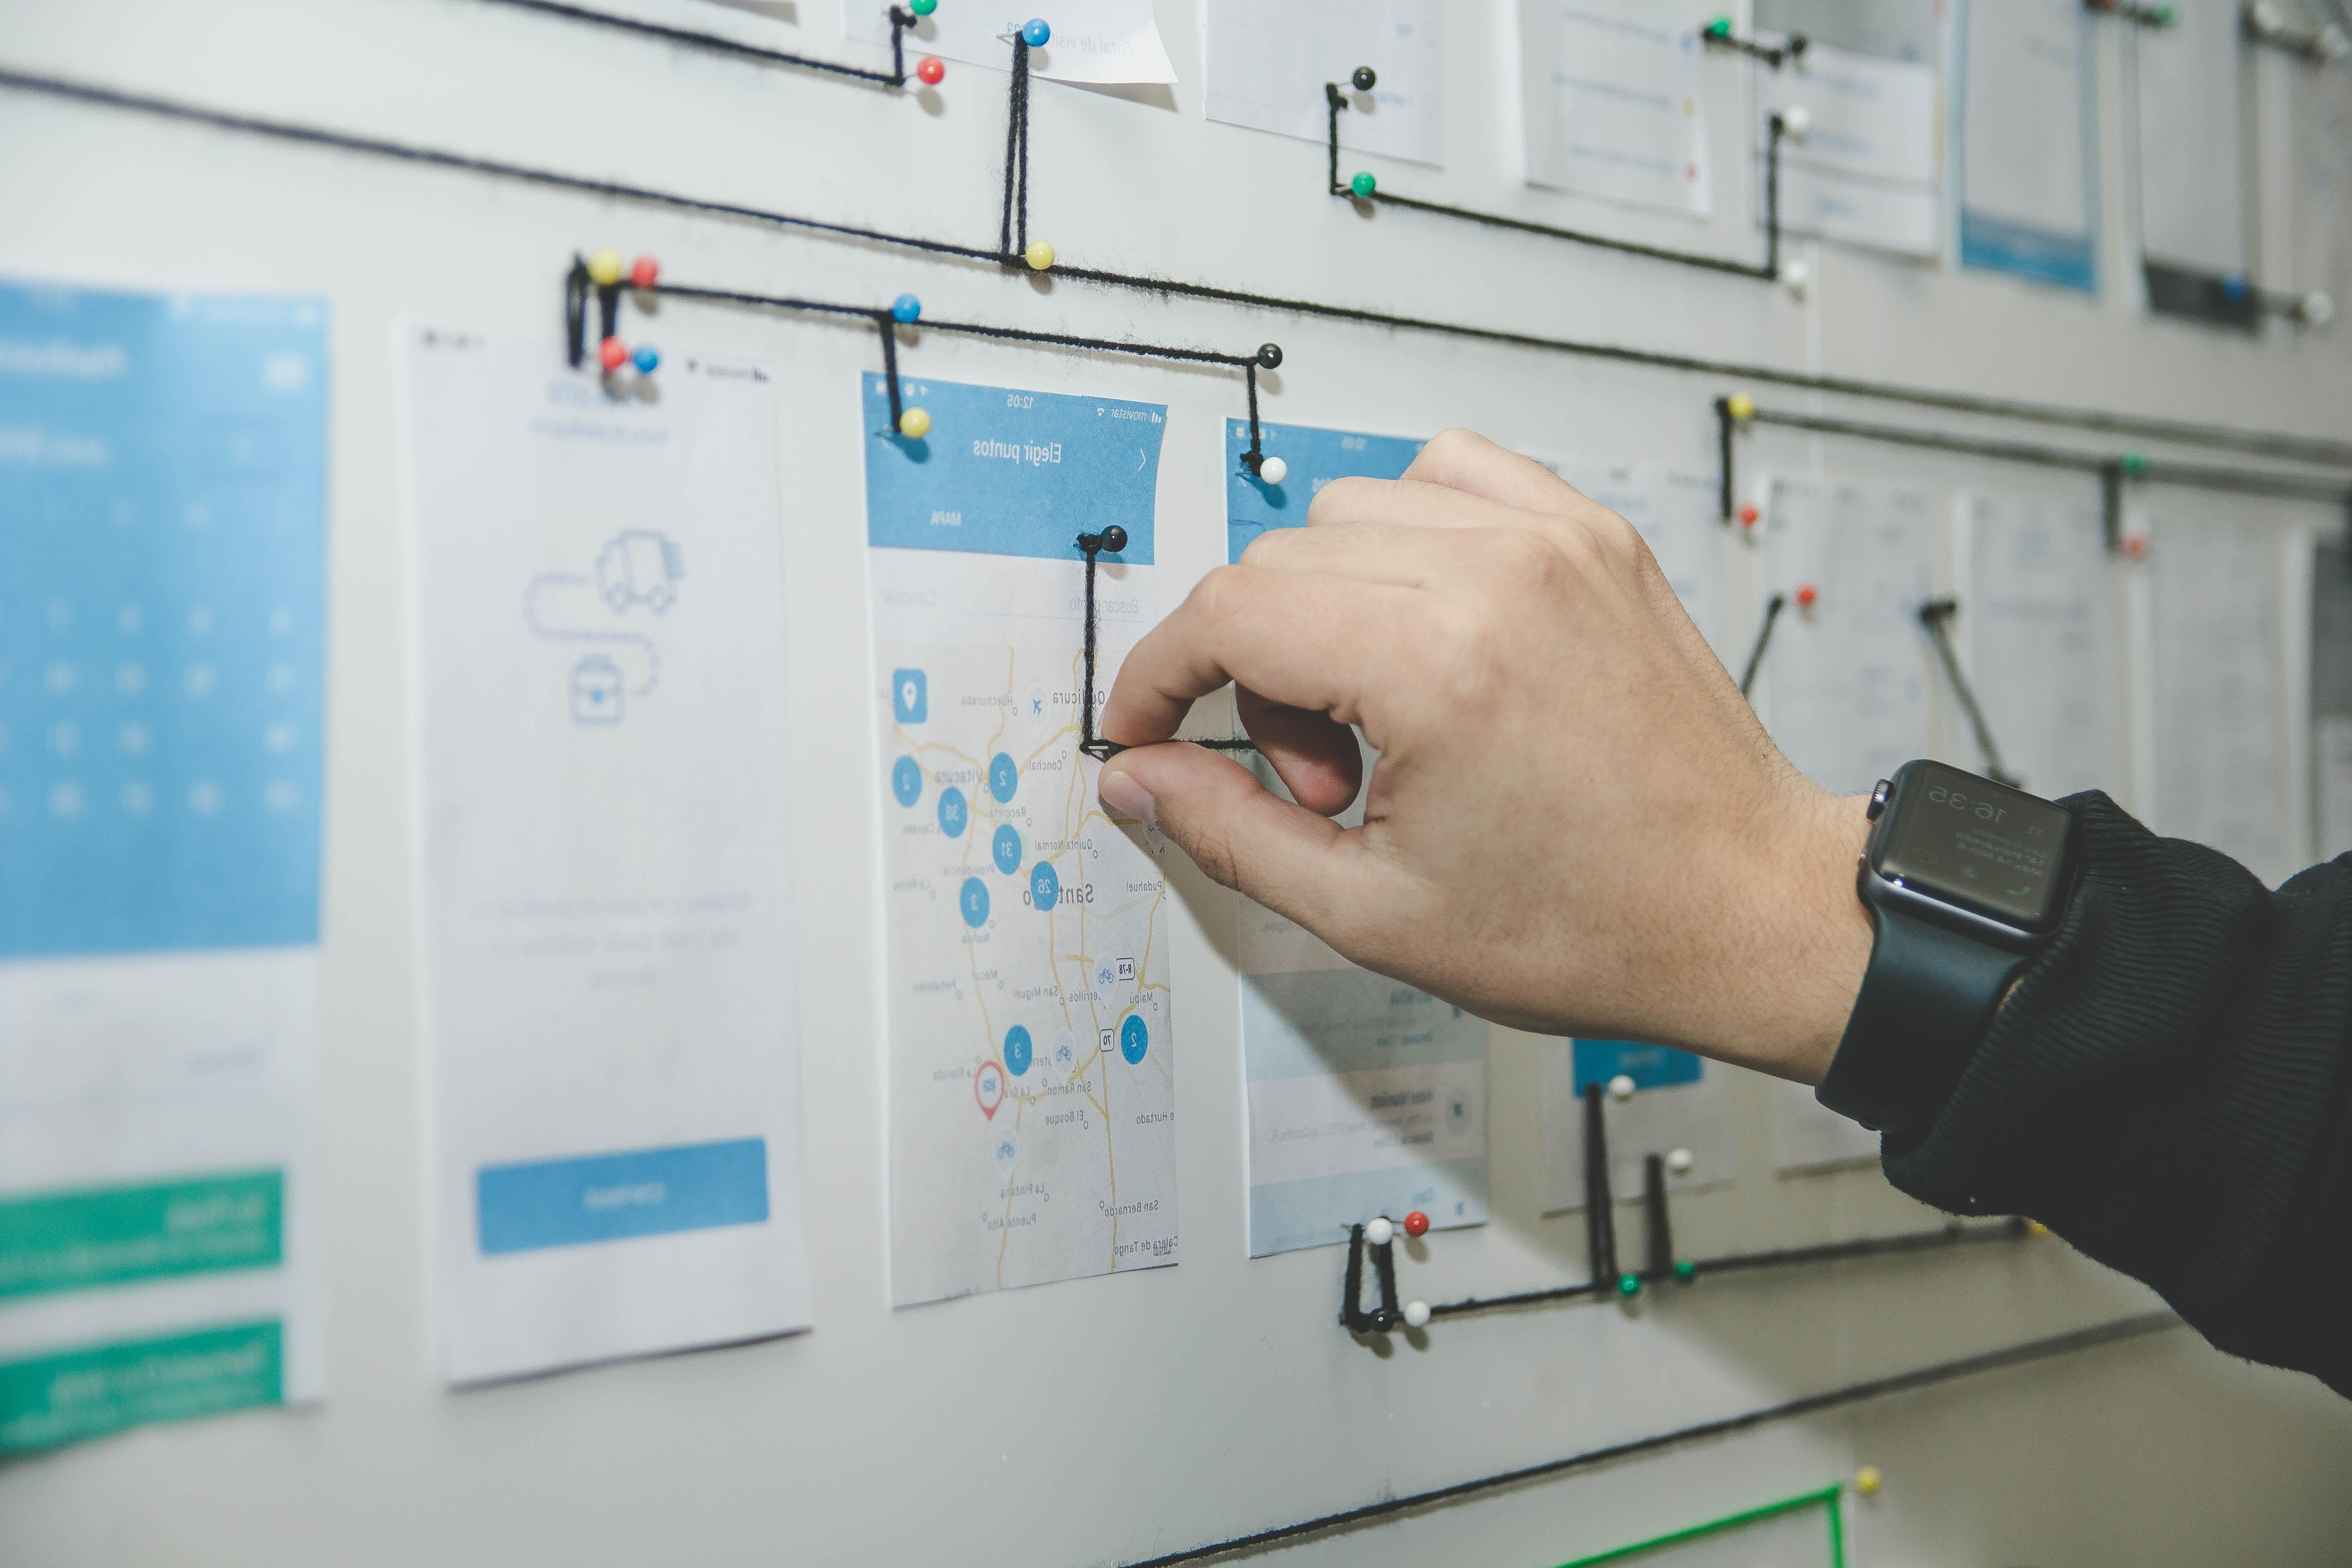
point(1867, 169)
point(1268, 65)
point(1673, 509)
point(2027, 181)
point(2191, 158)
point(1031, 1040)
point(1102, 42)
point(1613, 102)
point(1844, 687)
point(2037, 634)
point(163, 702)
point(1681, 1103)
point(2214, 596)
point(605, 890)
point(2331, 744)
point(1808, 1135)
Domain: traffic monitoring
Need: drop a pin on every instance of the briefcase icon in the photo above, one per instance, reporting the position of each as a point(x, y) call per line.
point(595, 690)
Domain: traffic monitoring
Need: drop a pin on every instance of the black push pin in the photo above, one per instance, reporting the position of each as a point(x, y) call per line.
point(1365, 79)
point(1269, 356)
point(1110, 540)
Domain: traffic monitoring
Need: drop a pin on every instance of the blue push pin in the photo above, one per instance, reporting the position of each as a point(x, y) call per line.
point(1035, 32)
point(905, 309)
point(646, 359)
point(2233, 286)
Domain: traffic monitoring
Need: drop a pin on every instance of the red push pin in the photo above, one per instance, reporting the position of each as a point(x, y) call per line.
point(1749, 514)
point(1806, 594)
point(612, 353)
point(1416, 1224)
point(645, 272)
point(2135, 546)
point(931, 70)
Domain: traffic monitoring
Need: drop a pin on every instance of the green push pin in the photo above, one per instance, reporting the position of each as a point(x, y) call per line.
point(1685, 1271)
point(1719, 28)
point(1629, 1284)
point(922, 7)
point(2166, 15)
point(2135, 462)
point(1363, 185)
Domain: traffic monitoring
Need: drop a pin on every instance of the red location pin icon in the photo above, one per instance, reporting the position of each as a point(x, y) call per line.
point(988, 1088)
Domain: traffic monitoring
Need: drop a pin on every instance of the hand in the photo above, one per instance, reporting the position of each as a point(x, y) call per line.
point(1575, 825)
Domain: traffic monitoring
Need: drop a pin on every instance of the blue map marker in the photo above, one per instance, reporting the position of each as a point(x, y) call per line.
point(1003, 778)
point(906, 781)
point(1006, 847)
point(1018, 1051)
point(974, 900)
point(1134, 1038)
point(953, 812)
point(1044, 885)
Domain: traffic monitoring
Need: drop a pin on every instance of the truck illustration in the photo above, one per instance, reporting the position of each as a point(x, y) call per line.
point(639, 566)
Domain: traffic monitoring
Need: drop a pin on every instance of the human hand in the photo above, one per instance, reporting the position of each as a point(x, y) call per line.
point(1575, 825)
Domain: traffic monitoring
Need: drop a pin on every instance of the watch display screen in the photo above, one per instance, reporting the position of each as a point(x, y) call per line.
point(1975, 843)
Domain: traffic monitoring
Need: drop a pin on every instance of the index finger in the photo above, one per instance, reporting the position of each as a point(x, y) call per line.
point(1298, 638)
point(1466, 462)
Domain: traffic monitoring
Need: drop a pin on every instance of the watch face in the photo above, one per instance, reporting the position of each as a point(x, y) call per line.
point(1974, 843)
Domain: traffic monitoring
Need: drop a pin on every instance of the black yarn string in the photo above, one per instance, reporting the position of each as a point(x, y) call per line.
point(1335, 100)
point(1658, 1255)
point(887, 325)
point(1015, 219)
point(1937, 614)
point(1254, 459)
point(1599, 1213)
point(2266, 444)
point(2025, 1353)
point(1772, 608)
point(894, 76)
point(1771, 53)
point(1090, 544)
point(575, 312)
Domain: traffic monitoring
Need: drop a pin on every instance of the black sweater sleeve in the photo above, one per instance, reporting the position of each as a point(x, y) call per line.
point(2166, 1088)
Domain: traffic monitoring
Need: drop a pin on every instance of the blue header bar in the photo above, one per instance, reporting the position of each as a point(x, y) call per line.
point(1315, 458)
point(1004, 472)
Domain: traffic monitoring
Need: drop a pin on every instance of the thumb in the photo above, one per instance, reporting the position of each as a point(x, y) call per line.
point(1285, 857)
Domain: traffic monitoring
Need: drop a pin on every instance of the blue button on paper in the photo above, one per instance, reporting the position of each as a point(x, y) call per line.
point(1650, 1067)
point(611, 1197)
point(910, 696)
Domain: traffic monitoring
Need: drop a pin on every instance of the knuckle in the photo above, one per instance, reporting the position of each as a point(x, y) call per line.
point(1453, 446)
point(1217, 598)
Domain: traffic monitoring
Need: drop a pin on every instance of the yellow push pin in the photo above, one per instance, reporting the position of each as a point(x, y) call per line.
point(1742, 406)
point(605, 267)
point(914, 423)
point(1039, 256)
point(1868, 1480)
point(2036, 1229)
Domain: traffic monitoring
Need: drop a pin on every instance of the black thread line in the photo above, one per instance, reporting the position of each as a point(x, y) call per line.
point(1772, 608)
point(1658, 1225)
point(2307, 42)
point(1020, 91)
point(1600, 1212)
point(2093, 1337)
point(1089, 742)
point(1937, 614)
point(2131, 11)
point(1770, 269)
point(1771, 53)
point(2196, 476)
point(896, 77)
point(2185, 433)
point(887, 325)
point(1016, 155)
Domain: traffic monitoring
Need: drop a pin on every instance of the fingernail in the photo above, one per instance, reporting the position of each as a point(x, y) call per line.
point(1123, 792)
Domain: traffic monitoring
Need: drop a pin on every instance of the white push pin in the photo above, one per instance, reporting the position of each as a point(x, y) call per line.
point(1795, 274)
point(1680, 1161)
point(1796, 122)
point(2267, 18)
point(1381, 1232)
point(1621, 1087)
point(2333, 43)
point(2318, 309)
point(1273, 470)
point(1416, 1314)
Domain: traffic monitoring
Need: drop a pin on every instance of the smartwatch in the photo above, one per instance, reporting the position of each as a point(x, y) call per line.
point(1966, 881)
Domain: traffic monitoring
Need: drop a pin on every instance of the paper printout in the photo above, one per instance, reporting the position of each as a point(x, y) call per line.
point(1366, 1096)
point(1808, 1135)
point(2028, 185)
point(2331, 744)
point(163, 628)
point(1842, 684)
point(1032, 1086)
point(1675, 510)
point(2191, 169)
point(2036, 633)
point(1097, 41)
point(1614, 105)
point(1866, 170)
point(1268, 64)
point(1889, 29)
point(2214, 592)
point(605, 892)
point(1681, 1103)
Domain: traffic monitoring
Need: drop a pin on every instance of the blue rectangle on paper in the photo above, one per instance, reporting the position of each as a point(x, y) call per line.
point(611, 1197)
point(1314, 458)
point(163, 620)
point(1006, 472)
point(1998, 245)
point(1650, 1067)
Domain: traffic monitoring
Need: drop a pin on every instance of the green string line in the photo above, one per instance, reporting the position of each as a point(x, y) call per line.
point(1825, 1498)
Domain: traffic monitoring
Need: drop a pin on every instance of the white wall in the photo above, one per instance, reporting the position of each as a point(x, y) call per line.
point(1112, 1418)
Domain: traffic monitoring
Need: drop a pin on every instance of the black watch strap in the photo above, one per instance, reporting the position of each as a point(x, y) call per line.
point(1927, 1000)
